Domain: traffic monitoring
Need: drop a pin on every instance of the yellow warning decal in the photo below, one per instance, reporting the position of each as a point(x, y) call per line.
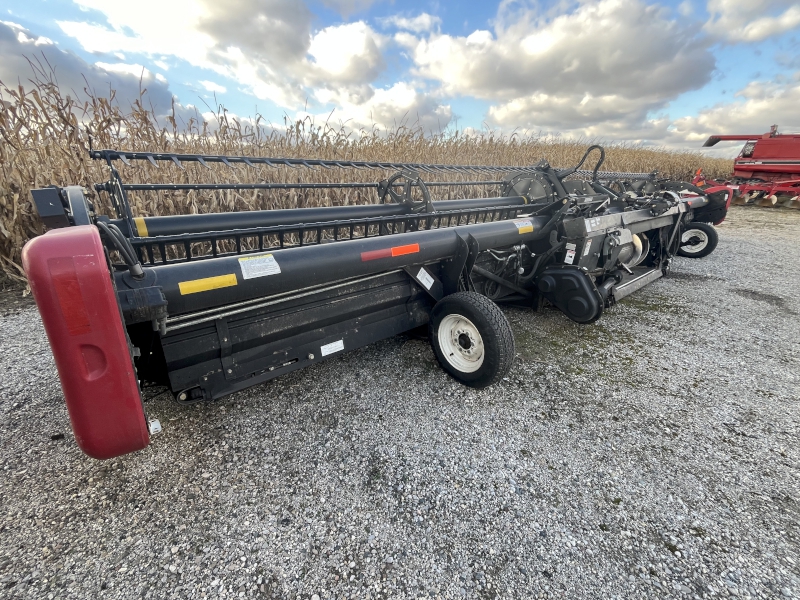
point(524, 226)
point(208, 283)
point(141, 226)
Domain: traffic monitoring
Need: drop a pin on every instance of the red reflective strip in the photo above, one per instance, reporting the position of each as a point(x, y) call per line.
point(68, 291)
point(373, 254)
point(389, 252)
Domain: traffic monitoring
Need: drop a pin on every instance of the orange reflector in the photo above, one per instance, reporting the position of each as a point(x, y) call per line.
point(389, 252)
point(400, 250)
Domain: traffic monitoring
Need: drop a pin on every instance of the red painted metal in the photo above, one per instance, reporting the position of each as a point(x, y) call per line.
point(70, 281)
point(767, 167)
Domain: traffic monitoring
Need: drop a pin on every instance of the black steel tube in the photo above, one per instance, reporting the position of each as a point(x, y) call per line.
point(194, 286)
point(125, 157)
point(151, 187)
point(202, 223)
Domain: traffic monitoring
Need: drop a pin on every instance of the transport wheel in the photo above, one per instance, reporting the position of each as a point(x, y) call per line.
point(472, 339)
point(698, 240)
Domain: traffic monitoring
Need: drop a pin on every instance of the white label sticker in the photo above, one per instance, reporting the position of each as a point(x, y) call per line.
point(571, 246)
point(588, 247)
point(569, 257)
point(425, 278)
point(259, 266)
point(525, 226)
point(588, 225)
point(331, 348)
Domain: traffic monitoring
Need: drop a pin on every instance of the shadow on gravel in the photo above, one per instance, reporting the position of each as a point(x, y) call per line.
point(770, 299)
point(693, 277)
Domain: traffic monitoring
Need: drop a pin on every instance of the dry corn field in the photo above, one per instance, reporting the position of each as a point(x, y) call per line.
point(45, 137)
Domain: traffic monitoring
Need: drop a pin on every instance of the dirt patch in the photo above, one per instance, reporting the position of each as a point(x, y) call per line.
point(682, 276)
point(770, 299)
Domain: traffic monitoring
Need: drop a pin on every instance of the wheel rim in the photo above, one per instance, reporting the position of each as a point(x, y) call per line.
point(461, 343)
point(694, 241)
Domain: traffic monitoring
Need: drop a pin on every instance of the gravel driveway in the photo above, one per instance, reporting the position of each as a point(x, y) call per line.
point(653, 454)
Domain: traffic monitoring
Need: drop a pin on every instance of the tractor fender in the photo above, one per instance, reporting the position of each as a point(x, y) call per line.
point(70, 281)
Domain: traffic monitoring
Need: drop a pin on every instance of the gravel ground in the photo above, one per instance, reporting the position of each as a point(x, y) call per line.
point(653, 454)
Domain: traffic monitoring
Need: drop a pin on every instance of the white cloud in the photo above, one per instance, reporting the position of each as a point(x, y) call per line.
point(750, 21)
point(267, 46)
point(400, 104)
point(135, 70)
point(158, 27)
point(605, 47)
point(78, 78)
point(348, 7)
point(561, 113)
point(23, 36)
point(349, 53)
point(210, 86)
point(757, 106)
point(419, 24)
point(604, 69)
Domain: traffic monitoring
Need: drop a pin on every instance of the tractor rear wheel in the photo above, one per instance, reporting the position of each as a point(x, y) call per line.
point(472, 339)
point(698, 240)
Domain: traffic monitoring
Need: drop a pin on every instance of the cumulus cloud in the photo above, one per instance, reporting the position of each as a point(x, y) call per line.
point(271, 31)
point(748, 21)
point(588, 114)
point(75, 76)
point(400, 104)
point(210, 86)
point(268, 46)
point(348, 7)
point(606, 47)
point(602, 69)
point(419, 24)
point(685, 8)
point(349, 53)
point(755, 107)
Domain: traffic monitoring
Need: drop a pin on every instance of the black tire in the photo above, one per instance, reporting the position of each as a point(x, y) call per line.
point(700, 245)
point(485, 330)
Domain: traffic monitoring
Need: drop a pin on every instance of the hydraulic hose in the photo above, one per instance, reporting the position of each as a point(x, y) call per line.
point(122, 245)
point(570, 171)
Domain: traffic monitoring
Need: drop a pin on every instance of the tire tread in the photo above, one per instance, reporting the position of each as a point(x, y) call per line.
point(499, 325)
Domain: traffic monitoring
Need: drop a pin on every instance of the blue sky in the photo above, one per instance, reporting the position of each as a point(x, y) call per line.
point(666, 73)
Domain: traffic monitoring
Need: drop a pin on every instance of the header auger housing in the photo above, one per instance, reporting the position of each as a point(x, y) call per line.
point(208, 304)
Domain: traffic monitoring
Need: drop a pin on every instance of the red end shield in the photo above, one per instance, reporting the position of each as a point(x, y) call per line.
point(69, 278)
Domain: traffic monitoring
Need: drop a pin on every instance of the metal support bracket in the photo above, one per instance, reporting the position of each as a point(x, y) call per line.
point(225, 349)
point(457, 272)
point(427, 280)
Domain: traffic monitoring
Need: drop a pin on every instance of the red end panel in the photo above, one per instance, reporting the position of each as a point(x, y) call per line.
point(70, 281)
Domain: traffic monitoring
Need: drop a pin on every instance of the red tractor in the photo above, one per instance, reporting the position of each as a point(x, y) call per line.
point(766, 172)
